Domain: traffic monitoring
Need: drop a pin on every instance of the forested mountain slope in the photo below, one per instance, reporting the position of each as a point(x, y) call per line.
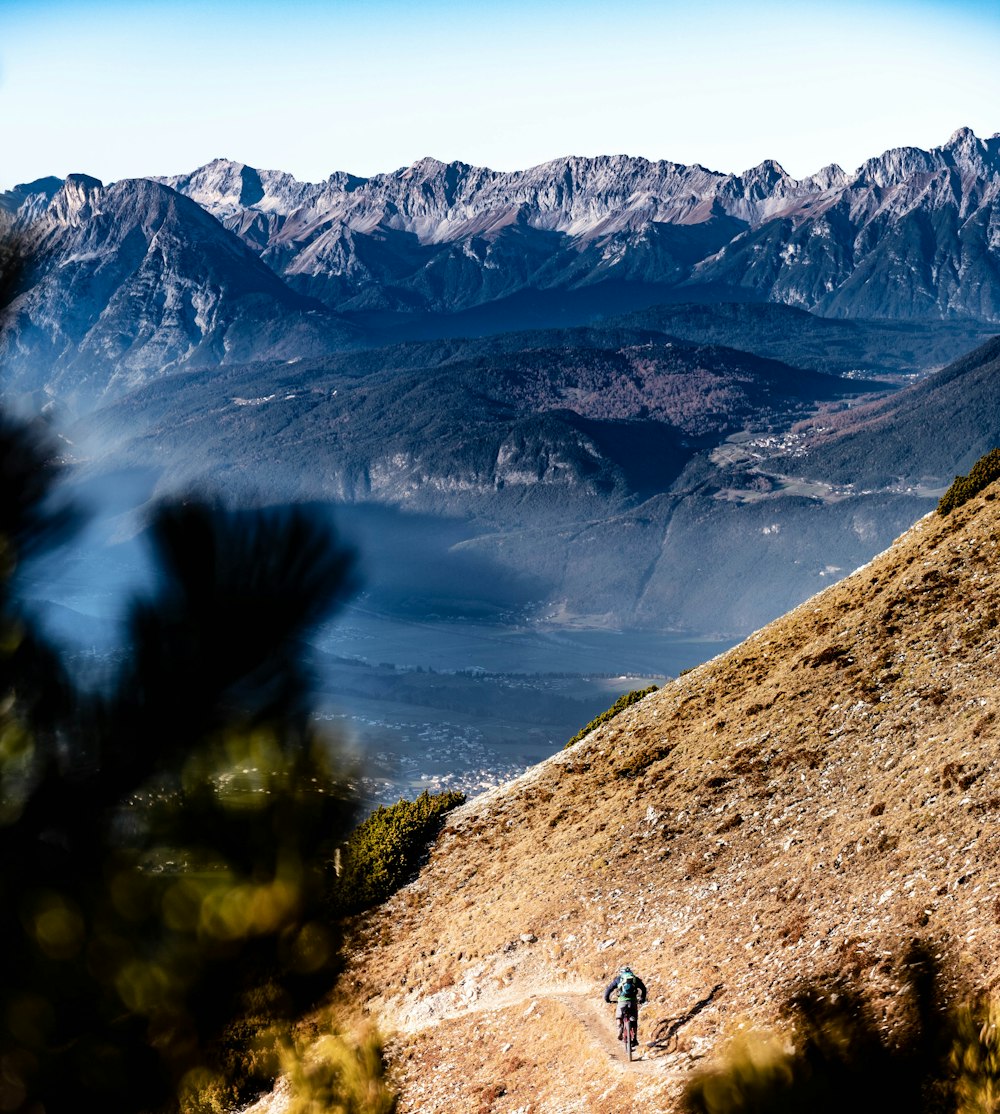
point(577, 468)
point(900, 439)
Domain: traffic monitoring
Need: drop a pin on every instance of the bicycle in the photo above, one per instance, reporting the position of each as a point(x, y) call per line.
point(628, 1033)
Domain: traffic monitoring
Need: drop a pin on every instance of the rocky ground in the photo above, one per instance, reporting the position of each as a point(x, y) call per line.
point(805, 804)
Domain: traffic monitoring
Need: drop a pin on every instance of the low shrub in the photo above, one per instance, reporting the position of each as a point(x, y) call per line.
point(384, 851)
point(963, 488)
point(839, 1056)
point(245, 1060)
point(623, 702)
point(340, 1074)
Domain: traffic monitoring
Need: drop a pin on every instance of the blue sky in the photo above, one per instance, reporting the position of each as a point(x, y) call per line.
point(123, 89)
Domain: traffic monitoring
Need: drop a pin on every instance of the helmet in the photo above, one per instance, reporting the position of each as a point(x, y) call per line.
point(626, 970)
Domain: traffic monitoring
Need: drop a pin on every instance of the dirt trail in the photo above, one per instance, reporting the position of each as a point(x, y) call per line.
point(598, 1020)
point(579, 1001)
point(429, 1012)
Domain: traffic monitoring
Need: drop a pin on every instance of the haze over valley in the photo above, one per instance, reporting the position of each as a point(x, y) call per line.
point(598, 419)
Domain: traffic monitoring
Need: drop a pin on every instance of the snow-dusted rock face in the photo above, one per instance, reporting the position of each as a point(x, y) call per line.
point(132, 279)
point(910, 234)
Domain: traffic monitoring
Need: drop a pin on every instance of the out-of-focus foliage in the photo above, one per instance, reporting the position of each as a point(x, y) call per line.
point(624, 701)
point(164, 845)
point(334, 1072)
point(963, 488)
point(975, 1056)
point(338, 1074)
point(385, 849)
point(836, 1056)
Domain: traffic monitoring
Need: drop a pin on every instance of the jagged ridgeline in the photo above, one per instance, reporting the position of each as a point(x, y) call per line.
point(787, 815)
point(446, 237)
point(229, 263)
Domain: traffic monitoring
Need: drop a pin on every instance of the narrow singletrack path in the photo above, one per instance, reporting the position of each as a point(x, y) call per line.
point(598, 1019)
point(584, 1005)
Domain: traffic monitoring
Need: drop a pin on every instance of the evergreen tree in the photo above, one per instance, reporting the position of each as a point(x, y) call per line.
point(164, 842)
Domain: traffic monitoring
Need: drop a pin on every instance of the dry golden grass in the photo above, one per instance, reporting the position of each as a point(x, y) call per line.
point(507, 1056)
point(804, 804)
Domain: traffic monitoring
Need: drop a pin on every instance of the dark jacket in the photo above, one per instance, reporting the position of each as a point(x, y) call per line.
point(640, 988)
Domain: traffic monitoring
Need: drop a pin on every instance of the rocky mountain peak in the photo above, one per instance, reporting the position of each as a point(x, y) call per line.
point(896, 165)
point(970, 152)
point(49, 187)
point(341, 181)
point(29, 200)
point(429, 167)
point(769, 171)
point(962, 137)
point(832, 177)
point(440, 184)
point(74, 202)
point(226, 188)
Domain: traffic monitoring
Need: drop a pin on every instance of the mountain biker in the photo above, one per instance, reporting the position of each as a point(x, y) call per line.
point(631, 991)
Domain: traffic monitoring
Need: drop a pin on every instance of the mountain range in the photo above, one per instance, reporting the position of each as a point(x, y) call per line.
point(715, 414)
point(442, 237)
point(133, 279)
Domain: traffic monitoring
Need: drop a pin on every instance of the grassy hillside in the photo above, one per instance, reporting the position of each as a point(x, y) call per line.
point(804, 804)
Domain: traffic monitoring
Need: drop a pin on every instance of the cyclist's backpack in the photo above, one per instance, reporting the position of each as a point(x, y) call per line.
point(626, 988)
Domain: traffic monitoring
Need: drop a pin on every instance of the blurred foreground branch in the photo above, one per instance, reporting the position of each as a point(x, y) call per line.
point(164, 845)
point(839, 1054)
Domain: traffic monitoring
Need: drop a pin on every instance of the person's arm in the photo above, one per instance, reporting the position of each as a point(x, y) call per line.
point(611, 989)
point(643, 995)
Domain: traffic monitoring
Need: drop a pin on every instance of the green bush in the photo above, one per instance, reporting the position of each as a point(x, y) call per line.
point(623, 702)
point(963, 488)
point(385, 849)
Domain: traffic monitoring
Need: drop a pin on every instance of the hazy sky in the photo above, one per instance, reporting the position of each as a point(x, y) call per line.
point(125, 88)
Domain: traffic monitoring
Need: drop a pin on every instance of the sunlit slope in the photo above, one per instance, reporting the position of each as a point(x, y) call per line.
point(807, 802)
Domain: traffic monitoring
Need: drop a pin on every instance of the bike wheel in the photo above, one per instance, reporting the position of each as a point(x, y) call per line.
point(629, 1036)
